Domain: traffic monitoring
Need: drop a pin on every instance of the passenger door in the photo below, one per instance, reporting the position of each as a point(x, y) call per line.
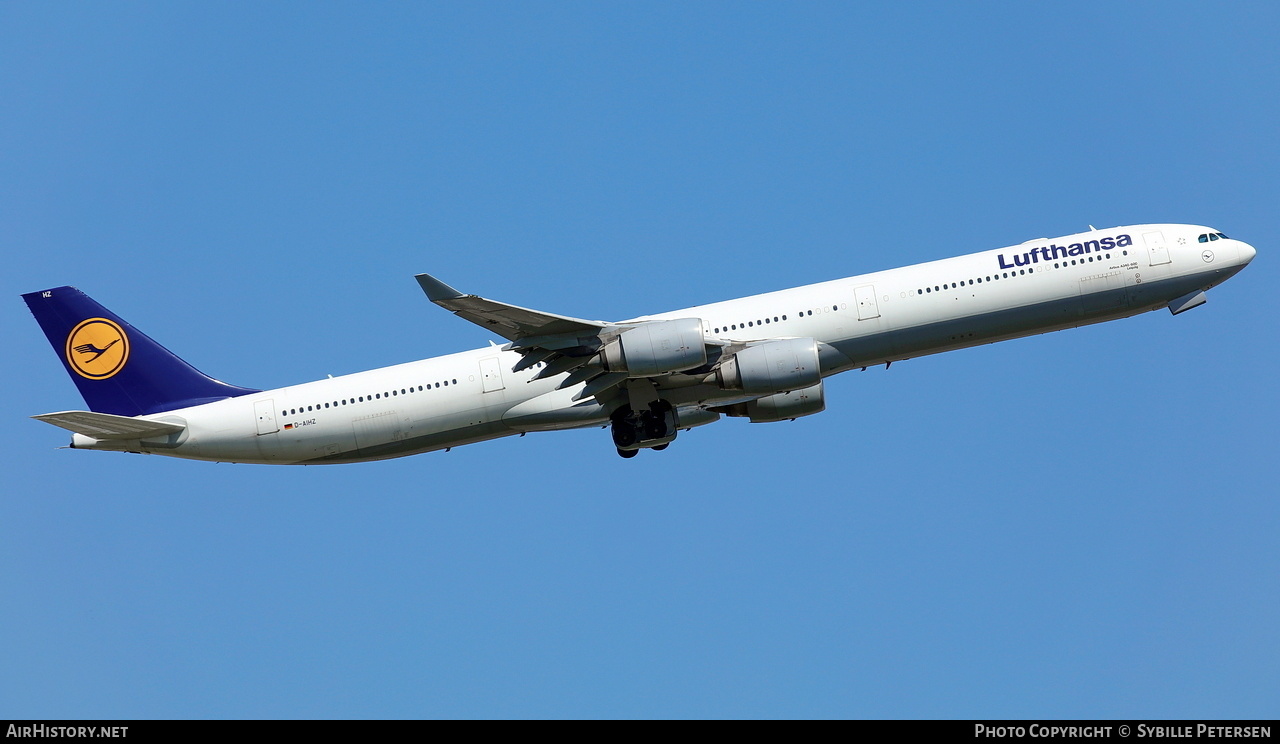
point(265, 412)
point(1157, 251)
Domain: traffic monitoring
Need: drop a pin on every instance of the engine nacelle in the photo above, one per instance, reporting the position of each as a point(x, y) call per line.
point(772, 367)
point(780, 406)
point(657, 348)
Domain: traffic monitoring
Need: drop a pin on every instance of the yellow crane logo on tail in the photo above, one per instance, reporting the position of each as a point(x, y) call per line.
point(97, 348)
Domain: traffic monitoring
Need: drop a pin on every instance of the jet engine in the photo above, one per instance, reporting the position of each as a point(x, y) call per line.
point(656, 348)
point(772, 367)
point(779, 406)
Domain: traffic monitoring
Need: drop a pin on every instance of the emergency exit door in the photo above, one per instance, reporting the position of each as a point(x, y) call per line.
point(491, 374)
point(866, 299)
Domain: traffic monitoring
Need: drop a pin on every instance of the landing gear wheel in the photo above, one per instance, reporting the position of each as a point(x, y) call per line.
point(660, 447)
point(627, 454)
point(624, 435)
point(655, 427)
point(652, 428)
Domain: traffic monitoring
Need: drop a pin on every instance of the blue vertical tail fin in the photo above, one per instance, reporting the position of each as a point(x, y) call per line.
point(118, 368)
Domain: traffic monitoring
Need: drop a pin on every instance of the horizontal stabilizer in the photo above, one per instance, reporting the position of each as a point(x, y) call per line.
point(108, 426)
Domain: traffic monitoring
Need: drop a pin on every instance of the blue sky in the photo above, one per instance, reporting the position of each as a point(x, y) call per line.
point(1076, 525)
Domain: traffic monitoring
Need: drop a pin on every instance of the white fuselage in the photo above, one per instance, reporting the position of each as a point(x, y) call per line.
point(860, 321)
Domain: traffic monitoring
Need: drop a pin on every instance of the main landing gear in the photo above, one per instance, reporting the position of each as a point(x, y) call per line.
point(653, 428)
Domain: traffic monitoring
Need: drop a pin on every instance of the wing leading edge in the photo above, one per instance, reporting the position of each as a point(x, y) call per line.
point(509, 321)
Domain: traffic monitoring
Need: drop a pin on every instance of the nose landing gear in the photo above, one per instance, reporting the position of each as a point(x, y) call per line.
point(654, 428)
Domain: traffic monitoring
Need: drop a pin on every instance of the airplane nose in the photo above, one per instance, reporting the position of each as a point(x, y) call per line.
point(1246, 252)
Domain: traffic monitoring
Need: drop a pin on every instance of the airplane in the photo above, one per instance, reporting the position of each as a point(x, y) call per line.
point(762, 357)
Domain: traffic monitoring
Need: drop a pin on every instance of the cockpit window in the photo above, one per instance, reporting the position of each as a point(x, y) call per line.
point(1220, 235)
point(1204, 237)
point(1213, 236)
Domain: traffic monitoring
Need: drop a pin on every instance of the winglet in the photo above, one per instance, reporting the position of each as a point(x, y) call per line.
point(437, 290)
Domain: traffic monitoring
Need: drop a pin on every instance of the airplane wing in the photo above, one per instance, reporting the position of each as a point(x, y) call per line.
point(509, 321)
point(108, 426)
point(558, 343)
